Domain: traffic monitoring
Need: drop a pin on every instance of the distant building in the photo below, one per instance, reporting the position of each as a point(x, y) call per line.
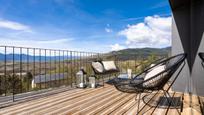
point(48, 79)
point(19, 74)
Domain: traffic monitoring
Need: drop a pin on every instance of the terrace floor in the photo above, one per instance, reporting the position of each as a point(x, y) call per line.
point(102, 101)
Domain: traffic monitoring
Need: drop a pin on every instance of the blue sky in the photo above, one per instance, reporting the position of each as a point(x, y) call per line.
point(85, 25)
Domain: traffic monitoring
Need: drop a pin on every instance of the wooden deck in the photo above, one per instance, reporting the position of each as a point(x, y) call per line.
point(102, 101)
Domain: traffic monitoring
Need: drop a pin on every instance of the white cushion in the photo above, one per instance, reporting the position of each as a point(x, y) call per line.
point(152, 65)
point(109, 65)
point(154, 71)
point(98, 66)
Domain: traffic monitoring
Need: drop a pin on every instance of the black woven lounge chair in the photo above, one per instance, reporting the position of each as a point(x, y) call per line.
point(156, 82)
point(201, 54)
point(104, 71)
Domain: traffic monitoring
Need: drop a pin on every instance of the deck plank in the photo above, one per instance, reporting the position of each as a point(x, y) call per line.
point(116, 105)
point(151, 98)
point(56, 107)
point(191, 105)
point(107, 104)
point(134, 109)
point(155, 99)
point(124, 108)
point(174, 111)
point(32, 105)
point(97, 104)
point(81, 104)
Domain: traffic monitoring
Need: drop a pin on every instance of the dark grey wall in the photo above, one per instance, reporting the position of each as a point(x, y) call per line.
point(188, 36)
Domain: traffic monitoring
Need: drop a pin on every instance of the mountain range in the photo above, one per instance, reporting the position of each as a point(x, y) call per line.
point(133, 53)
point(124, 54)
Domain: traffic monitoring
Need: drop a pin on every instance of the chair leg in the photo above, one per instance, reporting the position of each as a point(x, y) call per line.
point(116, 76)
point(167, 95)
point(138, 104)
point(98, 82)
point(136, 97)
point(103, 80)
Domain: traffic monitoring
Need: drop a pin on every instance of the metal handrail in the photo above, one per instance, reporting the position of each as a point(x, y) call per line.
point(27, 69)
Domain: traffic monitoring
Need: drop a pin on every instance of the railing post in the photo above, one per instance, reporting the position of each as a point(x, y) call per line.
point(45, 68)
point(34, 62)
point(5, 70)
point(59, 82)
point(55, 82)
point(67, 67)
point(63, 67)
point(21, 69)
point(27, 68)
point(71, 67)
point(50, 51)
point(40, 67)
point(135, 63)
point(13, 76)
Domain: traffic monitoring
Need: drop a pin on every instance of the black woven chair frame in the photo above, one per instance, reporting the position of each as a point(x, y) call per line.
point(201, 55)
point(165, 91)
point(138, 88)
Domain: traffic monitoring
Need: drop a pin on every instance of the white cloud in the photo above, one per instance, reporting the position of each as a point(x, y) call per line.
point(108, 30)
point(48, 44)
point(117, 47)
point(61, 44)
point(14, 25)
point(155, 32)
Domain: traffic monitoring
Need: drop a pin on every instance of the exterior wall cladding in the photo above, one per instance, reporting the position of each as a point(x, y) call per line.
point(188, 36)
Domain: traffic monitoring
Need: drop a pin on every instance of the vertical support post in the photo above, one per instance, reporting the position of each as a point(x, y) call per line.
point(40, 67)
point(21, 69)
point(86, 62)
point(13, 76)
point(50, 51)
point(75, 64)
point(63, 67)
point(5, 70)
point(1, 81)
point(46, 68)
point(80, 58)
point(135, 64)
point(71, 67)
point(34, 63)
point(59, 68)
point(27, 68)
point(68, 60)
point(55, 82)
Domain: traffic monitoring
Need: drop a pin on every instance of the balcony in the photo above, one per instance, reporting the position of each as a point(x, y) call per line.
point(43, 81)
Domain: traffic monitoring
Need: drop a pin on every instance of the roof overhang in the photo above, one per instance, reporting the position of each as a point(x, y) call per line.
point(175, 4)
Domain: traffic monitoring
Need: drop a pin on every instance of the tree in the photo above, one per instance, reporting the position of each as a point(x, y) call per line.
point(27, 81)
point(152, 58)
point(10, 84)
